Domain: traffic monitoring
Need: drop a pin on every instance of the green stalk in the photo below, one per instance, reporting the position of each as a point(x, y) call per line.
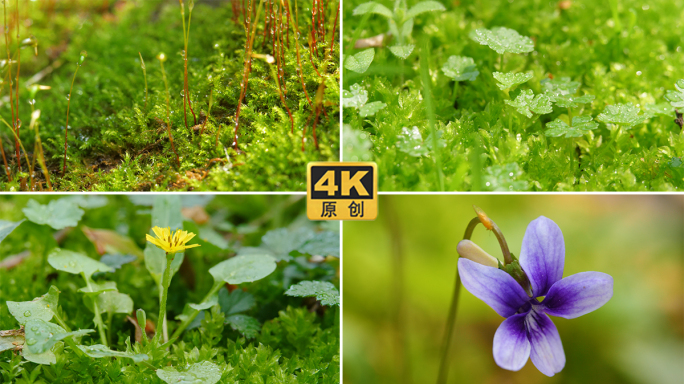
point(217, 286)
point(427, 85)
point(142, 65)
point(60, 321)
point(166, 281)
point(98, 318)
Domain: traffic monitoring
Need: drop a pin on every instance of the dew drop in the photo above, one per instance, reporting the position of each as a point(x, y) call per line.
point(27, 314)
point(31, 341)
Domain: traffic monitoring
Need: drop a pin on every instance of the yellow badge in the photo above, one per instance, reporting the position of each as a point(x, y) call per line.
point(342, 191)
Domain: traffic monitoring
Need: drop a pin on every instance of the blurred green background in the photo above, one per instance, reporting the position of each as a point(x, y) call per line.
point(399, 274)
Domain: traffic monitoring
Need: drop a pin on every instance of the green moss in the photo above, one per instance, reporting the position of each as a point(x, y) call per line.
point(115, 144)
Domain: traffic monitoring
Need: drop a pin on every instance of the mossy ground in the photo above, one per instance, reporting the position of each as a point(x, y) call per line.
point(487, 145)
point(297, 343)
point(116, 144)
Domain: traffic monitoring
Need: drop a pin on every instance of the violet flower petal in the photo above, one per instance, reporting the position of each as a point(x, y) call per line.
point(578, 294)
point(511, 346)
point(547, 349)
point(493, 286)
point(542, 255)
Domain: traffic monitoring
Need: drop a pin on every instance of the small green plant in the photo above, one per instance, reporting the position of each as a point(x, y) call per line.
point(84, 54)
point(162, 58)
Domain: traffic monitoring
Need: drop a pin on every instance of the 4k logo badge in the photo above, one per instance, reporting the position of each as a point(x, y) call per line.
point(342, 191)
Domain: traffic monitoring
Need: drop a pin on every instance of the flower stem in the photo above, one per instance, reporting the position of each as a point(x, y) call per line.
point(166, 281)
point(451, 322)
point(98, 318)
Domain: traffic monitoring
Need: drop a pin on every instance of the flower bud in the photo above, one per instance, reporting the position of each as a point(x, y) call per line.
point(473, 252)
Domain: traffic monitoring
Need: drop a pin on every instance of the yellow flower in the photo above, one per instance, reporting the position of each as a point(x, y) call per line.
point(171, 242)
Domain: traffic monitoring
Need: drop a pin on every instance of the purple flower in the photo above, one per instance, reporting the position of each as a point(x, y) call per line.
point(527, 330)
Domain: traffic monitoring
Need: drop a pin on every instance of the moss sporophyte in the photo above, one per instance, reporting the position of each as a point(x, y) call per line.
point(524, 292)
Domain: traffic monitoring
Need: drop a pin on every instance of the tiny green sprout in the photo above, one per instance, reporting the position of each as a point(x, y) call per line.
point(141, 317)
point(676, 98)
point(502, 40)
point(400, 21)
point(507, 81)
point(357, 98)
point(625, 115)
point(526, 103)
point(32, 42)
point(142, 65)
point(84, 54)
point(460, 68)
point(360, 62)
point(580, 126)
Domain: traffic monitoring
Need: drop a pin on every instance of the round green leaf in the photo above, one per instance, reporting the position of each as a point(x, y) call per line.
point(76, 263)
point(243, 269)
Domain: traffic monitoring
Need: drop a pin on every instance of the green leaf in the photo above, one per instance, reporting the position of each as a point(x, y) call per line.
point(236, 301)
point(41, 336)
point(622, 114)
point(212, 237)
point(243, 269)
point(246, 325)
point(373, 7)
point(570, 101)
point(502, 40)
point(94, 289)
point(117, 261)
point(580, 126)
point(6, 227)
point(213, 300)
point(357, 145)
point(282, 241)
point(510, 80)
point(324, 243)
point(662, 109)
point(58, 214)
point(355, 97)
point(166, 212)
point(411, 142)
point(371, 109)
point(205, 372)
point(402, 51)
point(11, 339)
point(422, 7)
point(98, 351)
point(676, 98)
point(460, 68)
point(507, 177)
point(526, 103)
point(38, 308)
point(562, 86)
point(114, 302)
point(406, 28)
point(324, 291)
point(45, 358)
point(88, 201)
point(360, 62)
point(75, 263)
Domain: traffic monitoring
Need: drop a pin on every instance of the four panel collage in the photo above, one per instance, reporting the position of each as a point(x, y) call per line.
point(349, 191)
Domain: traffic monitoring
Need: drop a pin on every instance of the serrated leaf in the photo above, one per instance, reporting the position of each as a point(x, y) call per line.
point(662, 109)
point(98, 351)
point(460, 68)
point(324, 243)
point(213, 300)
point(41, 336)
point(235, 302)
point(570, 101)
point(246, 325)
point(526, 103)
point(676, 98)
point(38, 308)
point(166, 212)
point(561, 86)
point(422, 7)
point(6, 227)
point(324, 291)
point(360, 62)
point(58, 214)
point(402, 51)
point(580, 126)
point(355, 97)
point(411, 142)
point(75, 263)
point(622, 114)
point(282, 241)
point(372, 7)
point(371, 109)
point(507, 177)
point(502, 40)
point(243, 269)
point(510, 80)
point(205, 372)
